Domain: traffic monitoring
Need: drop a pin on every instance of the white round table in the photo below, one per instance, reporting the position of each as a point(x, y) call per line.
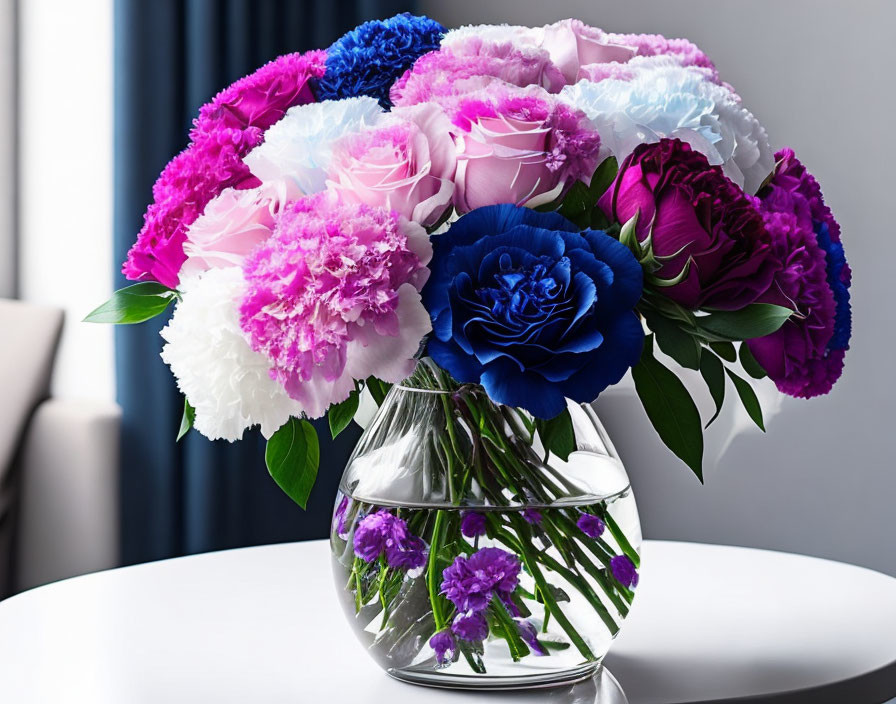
point(710, 624)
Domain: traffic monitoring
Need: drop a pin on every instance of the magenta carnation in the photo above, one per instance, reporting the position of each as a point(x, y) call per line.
point(333, 296)
point(227, 129)
point(262, 98)
point(520, 146)
point(805, 357)
point(472, 64)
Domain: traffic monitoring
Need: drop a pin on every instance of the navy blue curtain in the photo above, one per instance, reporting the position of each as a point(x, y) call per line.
point(171, 56)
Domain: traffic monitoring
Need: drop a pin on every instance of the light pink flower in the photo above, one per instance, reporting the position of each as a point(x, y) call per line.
point(232, 225)
point(334, 297)
point(471, 64)
point(520, 147)
point(572, 44)
point(406, 165)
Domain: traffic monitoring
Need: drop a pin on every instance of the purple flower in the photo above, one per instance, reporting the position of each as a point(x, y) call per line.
point(472, 524)
point(530, 515)
point(381, 531)
point(805, 356)
point(695, 217)
point(590, 525)
point(339, 517)
point(624, 571)
point(530, 637)
point(404, 550)
point(370, 535)
point(444, 645)
point(470, 625)
point(470, 582)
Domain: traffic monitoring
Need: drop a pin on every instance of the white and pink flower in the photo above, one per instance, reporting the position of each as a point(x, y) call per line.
point(333, 297)
point(406, 164)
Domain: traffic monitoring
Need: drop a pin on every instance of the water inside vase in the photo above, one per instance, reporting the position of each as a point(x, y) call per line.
point(576, 573)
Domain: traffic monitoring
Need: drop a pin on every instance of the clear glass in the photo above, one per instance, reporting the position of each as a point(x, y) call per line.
point(468, 556)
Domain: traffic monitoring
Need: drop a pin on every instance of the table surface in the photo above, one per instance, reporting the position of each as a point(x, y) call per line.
point(710, 623)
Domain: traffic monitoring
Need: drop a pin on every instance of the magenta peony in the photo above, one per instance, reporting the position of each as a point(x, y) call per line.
point(521, 147)
point(333, 297)
point(227, 129)
point(697, 218)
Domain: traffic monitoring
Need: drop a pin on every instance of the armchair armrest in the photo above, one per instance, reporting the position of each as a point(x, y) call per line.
point(68, 511)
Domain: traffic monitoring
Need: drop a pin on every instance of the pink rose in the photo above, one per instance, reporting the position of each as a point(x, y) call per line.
point(232, 225)
point(519, 147)
point(572, 44)
point(407, 165)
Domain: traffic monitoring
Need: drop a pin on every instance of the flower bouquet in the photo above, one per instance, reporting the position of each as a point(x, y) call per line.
point(501, 222)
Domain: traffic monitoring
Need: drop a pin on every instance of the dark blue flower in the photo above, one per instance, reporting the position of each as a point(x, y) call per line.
point(838, 280)
point(531, 308)
point(368, 59)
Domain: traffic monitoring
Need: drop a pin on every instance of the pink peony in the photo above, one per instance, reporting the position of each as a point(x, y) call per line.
point(406, 165)
point(519, 147)
point(471, 64)
point(228, 128)
point(232, 225)
point(333, 297)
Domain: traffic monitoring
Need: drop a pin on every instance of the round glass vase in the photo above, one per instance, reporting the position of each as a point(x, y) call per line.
point(467, 555)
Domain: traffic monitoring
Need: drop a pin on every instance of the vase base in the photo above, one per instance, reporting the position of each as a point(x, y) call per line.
point(444, 680)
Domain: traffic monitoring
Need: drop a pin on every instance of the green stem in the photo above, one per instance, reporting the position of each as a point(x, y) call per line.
point(432, 571)
point(620, 538)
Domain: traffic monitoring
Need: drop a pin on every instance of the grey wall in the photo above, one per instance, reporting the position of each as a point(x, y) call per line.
point(819, 74)
point(8, 137)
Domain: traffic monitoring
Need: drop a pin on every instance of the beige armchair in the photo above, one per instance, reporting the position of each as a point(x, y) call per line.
point(58, 462)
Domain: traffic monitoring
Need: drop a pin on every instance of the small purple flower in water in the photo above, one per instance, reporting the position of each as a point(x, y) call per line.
point(404, 550)
point(472, 524)
point(381, 531)
point(530, 637)
point(530, 515)
point(339, 517)
point(444, 645)
point(470, 625)
point(470, 582)
point(590, 525)
point(624, 571)
point(370, 535)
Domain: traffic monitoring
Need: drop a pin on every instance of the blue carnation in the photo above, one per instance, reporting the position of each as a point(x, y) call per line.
point(369, 59)
point(531, 308)
point(835, 259)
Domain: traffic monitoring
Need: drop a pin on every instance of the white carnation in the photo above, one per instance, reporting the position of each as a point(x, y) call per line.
point(498, 33)
point(224, 379)
point(299, 147)
point(663, 99)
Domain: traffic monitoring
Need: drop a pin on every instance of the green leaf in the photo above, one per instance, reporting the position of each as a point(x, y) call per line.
point(713, 373)
point(557, 435)
point(603, 177)
point(292, 456)
point(748, 398)
point(341, 414)
point(186, 422)
point(378, 389)
point(629, 237)
point(670, 409)
point(675, 342)
point(749, 363)
point(755, 320)
point(133, 304)
point(725, 350)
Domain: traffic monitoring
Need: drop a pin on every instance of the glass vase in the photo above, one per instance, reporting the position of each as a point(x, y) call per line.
point(466, 555)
